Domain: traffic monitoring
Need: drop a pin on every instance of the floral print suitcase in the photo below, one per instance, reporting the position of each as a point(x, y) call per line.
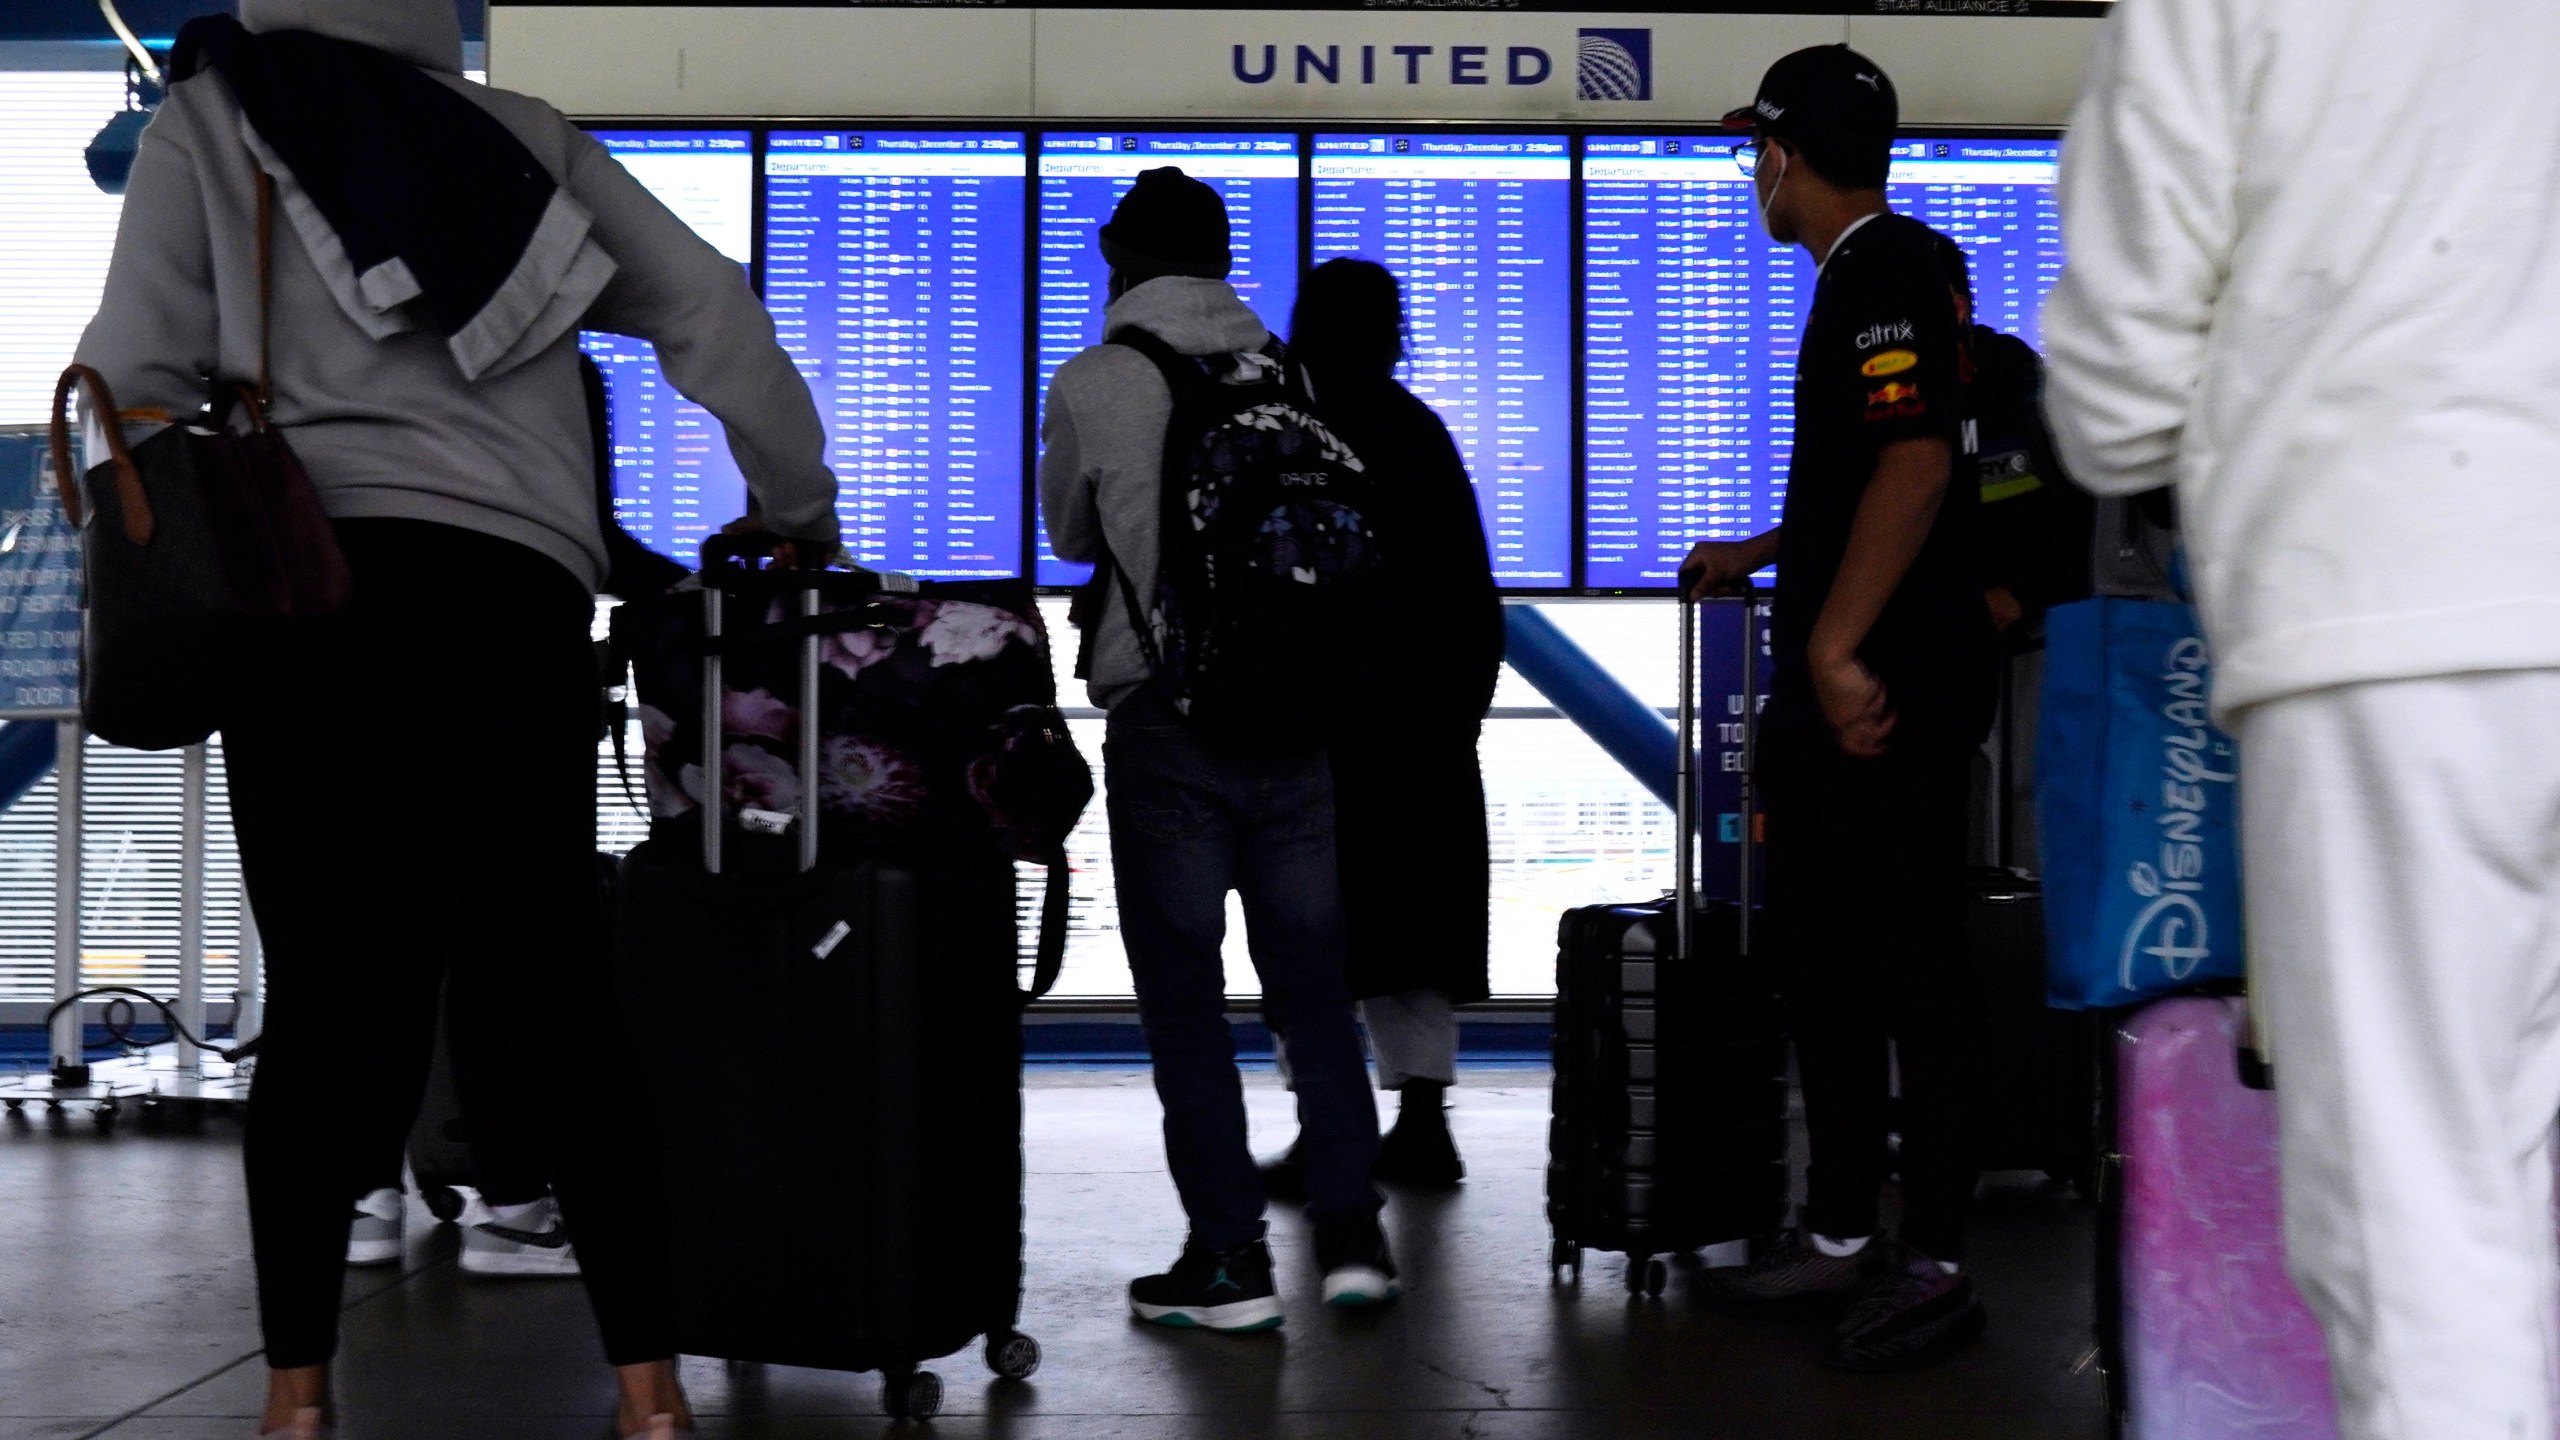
point(2215, 1343)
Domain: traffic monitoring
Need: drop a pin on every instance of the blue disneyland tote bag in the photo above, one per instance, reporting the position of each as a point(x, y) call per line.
point(2138, 799)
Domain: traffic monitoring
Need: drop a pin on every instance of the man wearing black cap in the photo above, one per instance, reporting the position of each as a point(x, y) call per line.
point(1886, 681)
point(1190, 820)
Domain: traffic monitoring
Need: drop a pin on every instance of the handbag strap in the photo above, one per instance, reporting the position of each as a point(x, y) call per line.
point(135, 504)
point(266, 296)
point(1051, 952)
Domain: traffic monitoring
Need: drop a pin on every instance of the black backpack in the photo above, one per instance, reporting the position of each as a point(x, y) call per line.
point(2036, 521)
point(1268, 579)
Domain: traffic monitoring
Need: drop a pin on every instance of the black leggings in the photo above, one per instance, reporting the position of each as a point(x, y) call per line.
point(414, 796)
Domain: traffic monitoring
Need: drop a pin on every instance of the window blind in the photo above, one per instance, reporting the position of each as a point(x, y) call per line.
point(56, 228)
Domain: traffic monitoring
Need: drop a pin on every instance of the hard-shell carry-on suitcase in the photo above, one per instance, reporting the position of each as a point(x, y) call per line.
point(2203, 1333)
point(840, 1104)
point(2044, 1066)
point(1669, 1131)
point(2205, 1336)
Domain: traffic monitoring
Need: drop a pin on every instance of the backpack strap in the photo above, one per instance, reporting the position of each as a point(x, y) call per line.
point(1188, 380)
point(1183, 374)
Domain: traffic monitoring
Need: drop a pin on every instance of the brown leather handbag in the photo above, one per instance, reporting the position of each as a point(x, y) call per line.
point(199, 547)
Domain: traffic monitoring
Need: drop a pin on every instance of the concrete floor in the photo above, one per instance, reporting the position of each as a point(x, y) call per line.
point(126, 1311)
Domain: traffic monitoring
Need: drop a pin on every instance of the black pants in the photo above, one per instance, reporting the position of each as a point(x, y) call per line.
point(1866, 913)
point(414, 795)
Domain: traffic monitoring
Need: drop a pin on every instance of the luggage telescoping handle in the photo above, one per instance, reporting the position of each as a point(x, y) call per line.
point(735, 550)
point(1684, 807)
point(1750, 788)
point(715, 783)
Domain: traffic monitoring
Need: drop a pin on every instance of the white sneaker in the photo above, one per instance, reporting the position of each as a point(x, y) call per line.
point(375, 1237)
point(515, 1239)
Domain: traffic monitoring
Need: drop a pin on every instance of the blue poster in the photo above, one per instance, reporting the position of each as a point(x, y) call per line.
point(1724, 717)
point(39, 585)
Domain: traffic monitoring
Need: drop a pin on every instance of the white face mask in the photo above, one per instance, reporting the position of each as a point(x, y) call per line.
point(1774, 187)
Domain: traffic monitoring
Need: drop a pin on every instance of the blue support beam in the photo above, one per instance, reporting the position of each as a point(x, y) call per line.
point(1633, 733)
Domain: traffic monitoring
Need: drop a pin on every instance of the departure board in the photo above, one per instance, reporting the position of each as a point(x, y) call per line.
point(894, 265)
point(1083, 174)
point(1692, 318)
point(673, 478)
point(1478, 229)
point(1995, 198)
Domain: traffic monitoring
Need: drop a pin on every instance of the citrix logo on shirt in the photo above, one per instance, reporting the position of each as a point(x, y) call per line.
point(1889, 333)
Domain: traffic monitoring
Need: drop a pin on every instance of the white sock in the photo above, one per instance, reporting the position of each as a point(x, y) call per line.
point(1840, 1249)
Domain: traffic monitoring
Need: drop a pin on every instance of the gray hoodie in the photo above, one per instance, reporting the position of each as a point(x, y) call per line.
point(389, 428)
point(1102, 449)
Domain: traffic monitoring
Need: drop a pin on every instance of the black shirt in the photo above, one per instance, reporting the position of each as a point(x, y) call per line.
point(1885, 358)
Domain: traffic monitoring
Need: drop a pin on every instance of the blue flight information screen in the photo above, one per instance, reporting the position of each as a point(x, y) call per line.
point(673, 478)
point(1692, 318)
point(1996, 198)
point(1478, 230)
point(1083, 174)
point(1690, 324)
point(894, 270)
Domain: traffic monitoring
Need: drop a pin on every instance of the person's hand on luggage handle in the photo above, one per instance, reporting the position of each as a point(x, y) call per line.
point(1854, 703)
point(1725, 567)
point(786, 553)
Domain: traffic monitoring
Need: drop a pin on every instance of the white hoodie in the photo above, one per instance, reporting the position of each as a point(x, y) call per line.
point(1102, 448)
point(2314, 281)
point(389, 428)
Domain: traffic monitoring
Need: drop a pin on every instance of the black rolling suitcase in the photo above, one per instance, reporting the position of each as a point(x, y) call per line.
point(843, 1131)
point(2044, 1067)
point(1669, 1131)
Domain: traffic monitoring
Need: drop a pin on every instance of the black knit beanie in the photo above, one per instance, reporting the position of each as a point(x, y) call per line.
point(1168, 224)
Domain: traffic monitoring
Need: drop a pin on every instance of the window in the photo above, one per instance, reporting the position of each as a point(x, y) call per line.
point(1568, 826)
point(56, 229)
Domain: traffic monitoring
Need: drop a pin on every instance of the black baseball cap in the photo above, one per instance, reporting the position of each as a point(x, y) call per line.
point(1834, 104)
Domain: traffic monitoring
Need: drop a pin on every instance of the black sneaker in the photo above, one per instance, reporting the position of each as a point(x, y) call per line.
point(1358, 1271)
point(1285, 1179)
point(1419, 1153)
point(1788, 1276)
point(1916, 1314)
point(1228, 1290)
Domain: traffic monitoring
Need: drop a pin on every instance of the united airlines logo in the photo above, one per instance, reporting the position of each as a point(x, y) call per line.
point(1610, 65)
point(1614, 65)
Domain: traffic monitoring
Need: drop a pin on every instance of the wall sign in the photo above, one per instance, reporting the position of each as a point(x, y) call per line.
point(2023, 9)
point(1956, 62)
point(39, 585)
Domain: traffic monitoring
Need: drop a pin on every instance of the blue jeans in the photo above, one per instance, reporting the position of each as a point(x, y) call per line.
point(1188, 824)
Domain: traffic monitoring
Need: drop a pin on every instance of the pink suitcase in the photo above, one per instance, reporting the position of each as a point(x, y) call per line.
point(2215, 1343)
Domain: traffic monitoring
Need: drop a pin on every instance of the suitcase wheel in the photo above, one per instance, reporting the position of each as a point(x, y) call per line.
point(443, 1201)
point(912, 1395)
point(1565, 1255)
point(1648, 1275)
point(1015, 1356)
